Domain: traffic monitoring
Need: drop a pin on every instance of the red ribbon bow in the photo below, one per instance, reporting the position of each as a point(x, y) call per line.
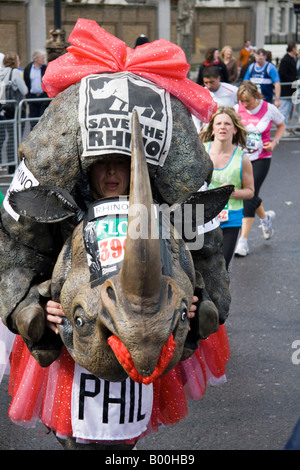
point(94, 50)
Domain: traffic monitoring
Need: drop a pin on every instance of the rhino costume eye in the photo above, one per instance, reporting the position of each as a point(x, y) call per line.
point(79, 322)
point(79, 318)
point(184, 311)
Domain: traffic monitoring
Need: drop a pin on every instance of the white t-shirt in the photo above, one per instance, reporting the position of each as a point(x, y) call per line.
point(226, 95)
point(258, 122)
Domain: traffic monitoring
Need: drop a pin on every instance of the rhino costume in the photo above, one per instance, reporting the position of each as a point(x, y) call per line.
point(177, 163)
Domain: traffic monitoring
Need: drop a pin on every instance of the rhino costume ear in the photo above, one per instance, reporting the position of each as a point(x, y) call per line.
point(214, 200)
point(45, 204)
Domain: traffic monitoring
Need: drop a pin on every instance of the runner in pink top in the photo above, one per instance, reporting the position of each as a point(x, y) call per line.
point(258, 126)
point(257, 116)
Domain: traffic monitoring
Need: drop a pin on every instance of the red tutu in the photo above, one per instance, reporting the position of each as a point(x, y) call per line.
point(45, 393)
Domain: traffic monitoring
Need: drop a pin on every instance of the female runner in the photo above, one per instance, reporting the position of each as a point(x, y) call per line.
point(224, 140)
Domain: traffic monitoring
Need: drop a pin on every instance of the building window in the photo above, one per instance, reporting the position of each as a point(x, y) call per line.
point(271, 17)
point(282, 20)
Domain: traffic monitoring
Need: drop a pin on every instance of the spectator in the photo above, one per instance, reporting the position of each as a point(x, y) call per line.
point(244, 54)
point(212, 59)
point(245, 67)
point(142, 39)
point(269, 56)
point(265, 76)
point(33, 74)
point(52, 56)
point(7, 72)
point(230, 62)
point(288, 74)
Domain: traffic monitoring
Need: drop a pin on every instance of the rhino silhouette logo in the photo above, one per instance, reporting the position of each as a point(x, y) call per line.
point(121, 95)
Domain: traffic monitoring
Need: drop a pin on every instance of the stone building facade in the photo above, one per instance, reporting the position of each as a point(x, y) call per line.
point(25, 24)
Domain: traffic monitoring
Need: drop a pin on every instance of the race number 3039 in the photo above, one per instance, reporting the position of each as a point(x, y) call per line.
point(111, 237)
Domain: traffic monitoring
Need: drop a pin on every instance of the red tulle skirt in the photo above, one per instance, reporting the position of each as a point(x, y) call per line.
point(44, 394)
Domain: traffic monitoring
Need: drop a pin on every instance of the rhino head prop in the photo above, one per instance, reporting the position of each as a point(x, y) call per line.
point(134, 322)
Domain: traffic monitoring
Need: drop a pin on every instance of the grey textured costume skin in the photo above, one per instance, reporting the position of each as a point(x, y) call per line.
point(52, 152)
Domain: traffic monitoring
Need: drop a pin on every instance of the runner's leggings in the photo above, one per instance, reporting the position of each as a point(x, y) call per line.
point(260, 171)
point(230, 235)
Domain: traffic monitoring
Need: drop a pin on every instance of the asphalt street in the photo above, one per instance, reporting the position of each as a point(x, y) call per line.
point(259, 405)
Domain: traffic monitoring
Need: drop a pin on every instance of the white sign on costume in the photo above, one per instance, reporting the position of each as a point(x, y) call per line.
point(103, 410)
point(106, 103)
point(23, 179)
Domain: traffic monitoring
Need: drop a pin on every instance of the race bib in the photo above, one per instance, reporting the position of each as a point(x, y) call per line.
point(105, 232)
point(254, 143)
point(223, 216)
point(103, 410)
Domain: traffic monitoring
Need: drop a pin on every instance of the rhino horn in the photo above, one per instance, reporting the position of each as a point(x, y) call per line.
point(141, 269)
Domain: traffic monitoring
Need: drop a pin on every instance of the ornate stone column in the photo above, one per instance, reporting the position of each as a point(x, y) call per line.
point(56, 44)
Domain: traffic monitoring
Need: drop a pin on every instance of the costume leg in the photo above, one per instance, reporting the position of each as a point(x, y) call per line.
point(210, 262)
point(212, 290)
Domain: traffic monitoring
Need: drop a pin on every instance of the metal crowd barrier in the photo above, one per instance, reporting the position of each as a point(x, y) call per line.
point(8, 138)
point(26, 123)
point(12, 133)
point(293, 123)
point(15, 130)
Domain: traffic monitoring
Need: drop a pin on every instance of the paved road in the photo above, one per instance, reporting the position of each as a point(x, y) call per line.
point(259, 405)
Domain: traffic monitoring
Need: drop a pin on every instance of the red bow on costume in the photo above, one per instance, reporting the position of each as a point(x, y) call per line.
point(94, 50)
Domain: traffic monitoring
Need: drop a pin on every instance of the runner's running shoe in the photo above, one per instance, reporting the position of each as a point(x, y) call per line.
point(242, 248)
point(267, 225)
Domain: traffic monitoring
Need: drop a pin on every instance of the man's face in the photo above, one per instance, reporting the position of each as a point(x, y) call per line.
point(295, 50)
point(40, 60)
point(212, 84)
point(110, 177)
point(260, 59)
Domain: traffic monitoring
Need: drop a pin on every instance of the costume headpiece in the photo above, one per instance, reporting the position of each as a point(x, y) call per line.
point(94, 50)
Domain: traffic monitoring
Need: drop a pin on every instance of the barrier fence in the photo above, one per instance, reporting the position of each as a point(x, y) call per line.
point(291, 104)
point(8, 138)
point(15, 130)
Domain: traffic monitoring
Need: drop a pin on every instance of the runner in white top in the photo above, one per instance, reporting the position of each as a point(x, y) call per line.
point(224, 94)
